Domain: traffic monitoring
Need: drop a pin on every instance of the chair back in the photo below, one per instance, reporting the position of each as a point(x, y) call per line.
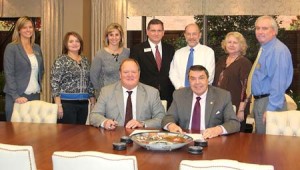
point(92, 161)
point(15, 157)
point(285, 123)
point(221, 164)
point(36, 111)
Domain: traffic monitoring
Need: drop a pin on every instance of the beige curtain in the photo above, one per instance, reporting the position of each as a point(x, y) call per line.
point(51, 39)
point(105, 12)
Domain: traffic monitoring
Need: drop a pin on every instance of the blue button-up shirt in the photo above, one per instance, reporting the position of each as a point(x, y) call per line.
point(273, 73)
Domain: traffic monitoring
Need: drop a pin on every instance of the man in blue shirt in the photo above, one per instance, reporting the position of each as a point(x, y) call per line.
point(273, 72)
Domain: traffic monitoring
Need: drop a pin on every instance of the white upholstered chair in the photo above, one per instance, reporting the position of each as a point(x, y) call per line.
point(92, 161)
point(285, 123)
point(221, 164)
point(35, 112)
point(291, 104)
point(16, 157)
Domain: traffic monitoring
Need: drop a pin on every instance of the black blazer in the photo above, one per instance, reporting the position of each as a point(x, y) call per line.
point(149, 71)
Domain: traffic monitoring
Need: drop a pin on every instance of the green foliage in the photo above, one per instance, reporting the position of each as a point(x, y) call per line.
point(295, 25)
point(176, 42)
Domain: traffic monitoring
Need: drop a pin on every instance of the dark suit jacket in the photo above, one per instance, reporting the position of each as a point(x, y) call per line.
point(110, 105)
point(17, 69)
point(218, 110)
point(149, 71)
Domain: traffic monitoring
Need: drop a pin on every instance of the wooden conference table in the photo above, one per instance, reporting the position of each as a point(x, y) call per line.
point(282, 152)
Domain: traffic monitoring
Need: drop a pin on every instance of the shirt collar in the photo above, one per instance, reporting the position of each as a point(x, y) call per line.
point(203, 96)
point(152, 45)
point(268, 44)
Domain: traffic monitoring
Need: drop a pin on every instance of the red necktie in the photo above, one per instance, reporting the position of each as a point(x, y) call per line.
point(128, 115)
point(196, 115)
point(157, 58)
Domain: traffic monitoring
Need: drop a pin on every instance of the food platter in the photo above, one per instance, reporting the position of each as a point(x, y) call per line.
point(163, 141)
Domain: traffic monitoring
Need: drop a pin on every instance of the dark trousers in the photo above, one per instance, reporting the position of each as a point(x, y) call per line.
point(9, 103)
point(75, 112)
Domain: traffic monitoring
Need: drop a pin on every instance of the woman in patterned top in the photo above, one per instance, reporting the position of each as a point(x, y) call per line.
point(106, 63)
point(232, 73)
point(70, 82)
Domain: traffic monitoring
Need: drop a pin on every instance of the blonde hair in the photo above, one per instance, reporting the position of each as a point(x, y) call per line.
point(110, 29)
point(241, 41)
point(19, 25)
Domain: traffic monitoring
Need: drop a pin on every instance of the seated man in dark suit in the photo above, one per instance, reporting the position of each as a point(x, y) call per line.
point(127, 102)
point(201, 107)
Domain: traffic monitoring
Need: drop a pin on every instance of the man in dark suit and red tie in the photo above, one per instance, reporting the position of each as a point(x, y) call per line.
point(154, 58)
point(201, 107)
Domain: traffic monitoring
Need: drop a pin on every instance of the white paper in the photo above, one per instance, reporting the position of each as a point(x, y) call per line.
point(195, 136)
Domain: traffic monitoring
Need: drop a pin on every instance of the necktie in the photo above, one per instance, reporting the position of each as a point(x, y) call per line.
point(157, 58)
point(128, 115)
point(188, 65)
point(196, 115)
point(249, 81)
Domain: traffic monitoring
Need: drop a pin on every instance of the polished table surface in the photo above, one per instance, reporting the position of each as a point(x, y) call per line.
point(282, 152)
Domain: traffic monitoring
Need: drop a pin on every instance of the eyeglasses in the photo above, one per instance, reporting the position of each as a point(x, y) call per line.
point(116, 56)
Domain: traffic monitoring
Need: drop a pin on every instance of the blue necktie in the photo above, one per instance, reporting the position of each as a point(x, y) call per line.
point(188, 65)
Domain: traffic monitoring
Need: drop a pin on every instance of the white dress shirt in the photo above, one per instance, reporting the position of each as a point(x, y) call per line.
point(202, 104)
point(33, 85)
point(152, 45)
point(203, 55)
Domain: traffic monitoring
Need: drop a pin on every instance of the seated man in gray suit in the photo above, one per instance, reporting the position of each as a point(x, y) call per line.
point(201, 107)
point(127, 102)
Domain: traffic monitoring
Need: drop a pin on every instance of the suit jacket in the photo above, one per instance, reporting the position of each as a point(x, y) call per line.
point(218, 109)
point(149, 71)
point(110, 105)
point(17, 69)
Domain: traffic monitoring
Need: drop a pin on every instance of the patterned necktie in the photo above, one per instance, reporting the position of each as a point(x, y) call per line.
point(128, 115)
point(188, 65)
point(196, 120)
point(157, 58)
point(249, 81)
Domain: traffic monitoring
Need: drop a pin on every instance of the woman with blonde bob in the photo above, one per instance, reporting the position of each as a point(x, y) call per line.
point(23, 66)
point(106, 63)
point(232, 72)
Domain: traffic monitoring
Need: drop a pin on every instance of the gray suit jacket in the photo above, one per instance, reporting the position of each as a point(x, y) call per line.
point(110, 105)
point(218, 109)
point(17, 69)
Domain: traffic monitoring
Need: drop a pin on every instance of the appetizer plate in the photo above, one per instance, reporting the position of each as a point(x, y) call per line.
point(162, 141)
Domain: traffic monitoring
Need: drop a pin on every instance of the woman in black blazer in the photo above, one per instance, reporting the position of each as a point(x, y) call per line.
point(23, 66)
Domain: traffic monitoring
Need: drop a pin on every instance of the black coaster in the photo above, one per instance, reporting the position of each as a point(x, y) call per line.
point(200, 142)
point(126, 139)
point(196, 150)
point(119, 146)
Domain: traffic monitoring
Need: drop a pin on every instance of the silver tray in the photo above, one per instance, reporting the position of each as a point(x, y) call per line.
point(162, 141)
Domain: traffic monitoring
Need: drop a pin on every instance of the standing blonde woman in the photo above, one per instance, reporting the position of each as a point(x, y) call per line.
point(23, 66)
point(105, 65)
point(232, 73)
